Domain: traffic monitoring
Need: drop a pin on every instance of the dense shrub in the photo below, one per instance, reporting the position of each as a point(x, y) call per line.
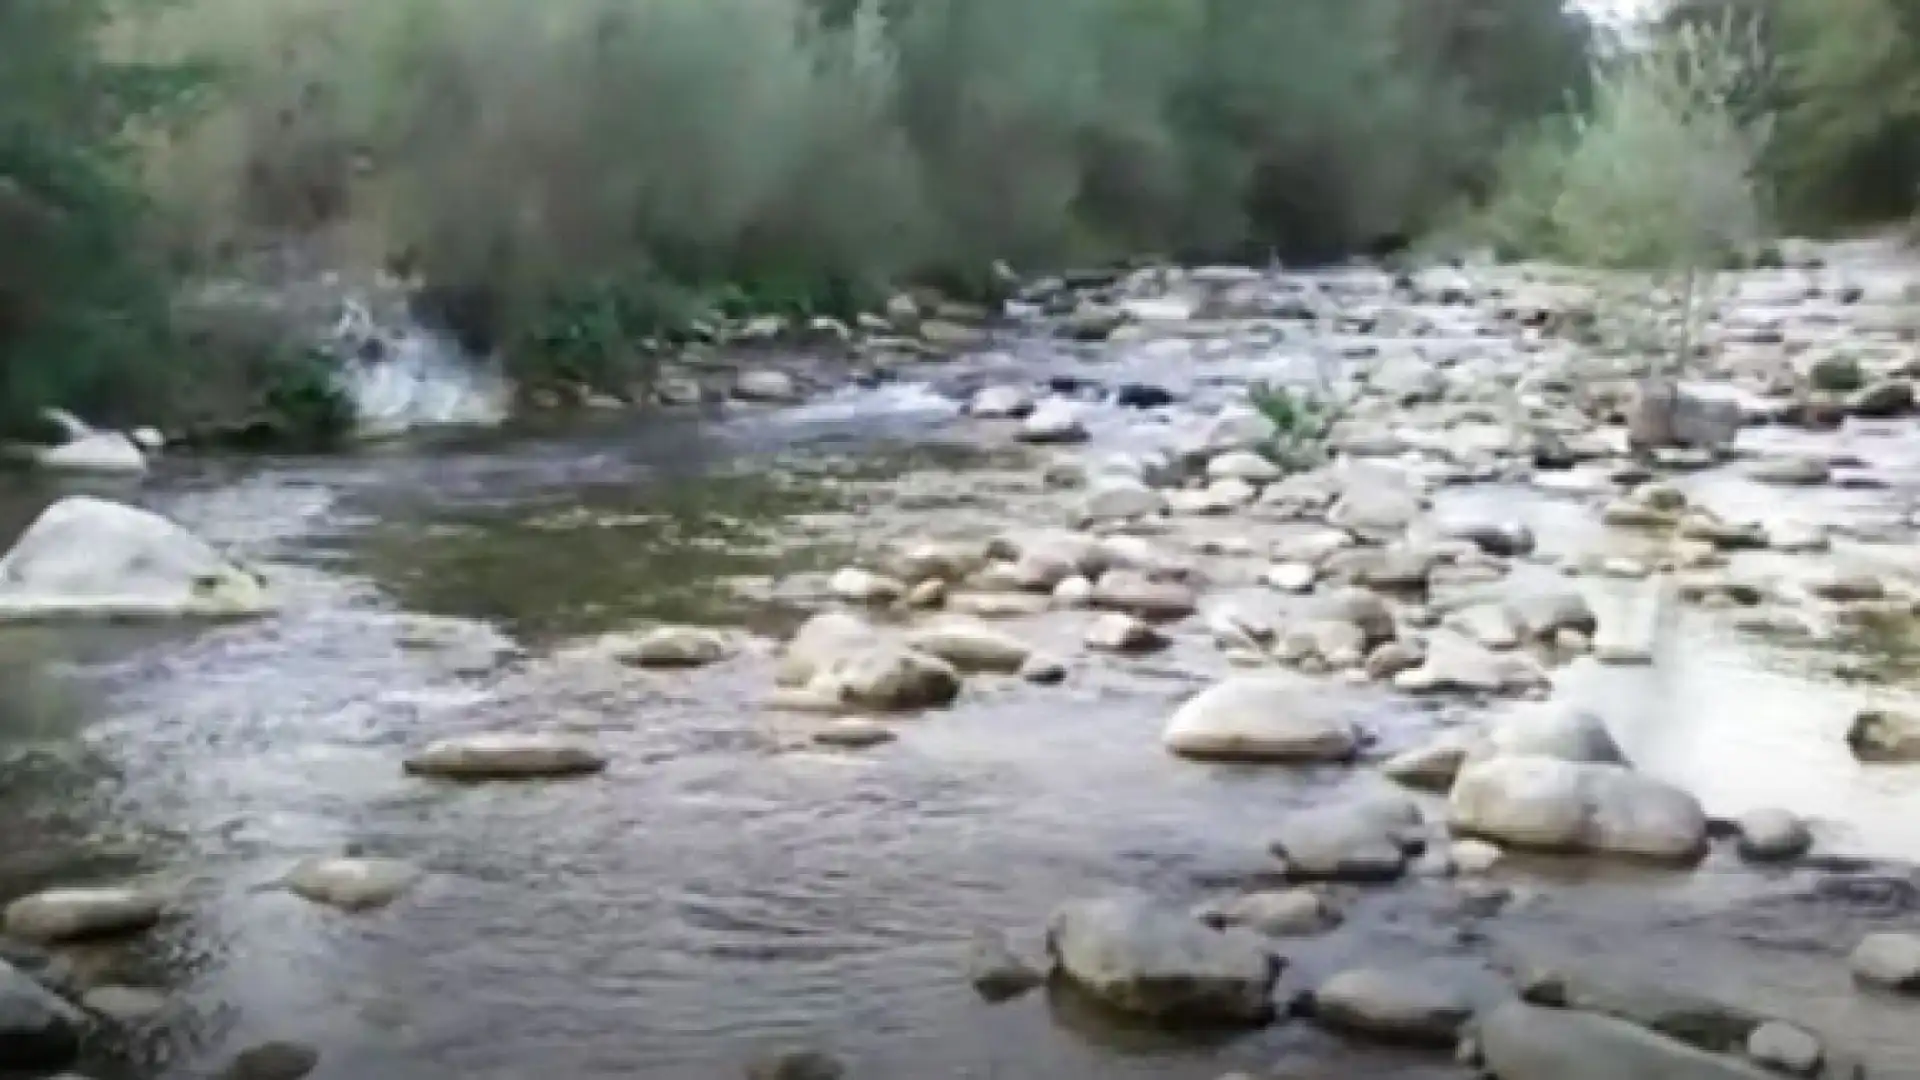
point(573, 178)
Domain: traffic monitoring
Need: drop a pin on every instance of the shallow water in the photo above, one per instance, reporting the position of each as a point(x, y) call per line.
point(719, 892)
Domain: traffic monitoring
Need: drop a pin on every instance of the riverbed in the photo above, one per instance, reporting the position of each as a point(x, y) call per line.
point(727, 889)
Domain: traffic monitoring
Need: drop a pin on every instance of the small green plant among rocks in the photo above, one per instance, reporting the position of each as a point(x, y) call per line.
point(1302, 421)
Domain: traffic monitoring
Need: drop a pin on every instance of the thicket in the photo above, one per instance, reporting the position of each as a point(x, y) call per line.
point(575, 179)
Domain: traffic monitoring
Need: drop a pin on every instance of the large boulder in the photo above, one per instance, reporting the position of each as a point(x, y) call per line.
point(89, 558)
point(1524, 1042)
point(37, 1029)
point(1161, 964)
point(1663, 415)
point(1554, 729)
point(99, 452)
point(1552, 804)
point(821, 640)
point(1264, 718)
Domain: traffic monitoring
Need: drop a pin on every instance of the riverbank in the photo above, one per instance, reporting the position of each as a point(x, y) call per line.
point(731, 886)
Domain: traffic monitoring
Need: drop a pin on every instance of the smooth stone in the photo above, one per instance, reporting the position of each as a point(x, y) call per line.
point(1554, 729)
point(997, 972)
point(1525, 1042)
point(797, 1065)
point(1001, 403)
point(351, 884)
point(106, 453)
point(1431, 767)
point(889, 678)
point(856, 586)
point(1551, 804)
point(1394, 1006)
point(1457, 665)
point(1701, 1022)
point(1281, 913)
point(506, 756)
point(89, 558)
point(1772, 835)
point(1120, 499)
point(1264, 718)
point(676, 647)
point(1295, 577)
point(1243, 465)
point(1885, 735)
point(273, 1061)
point(1364, 841)
point(997, 605)
point(1888, 960)
point(971, 646)
point(768, 387)
point(1161, 965)
point(1792, 471)
point(37, 1029)
point(63, 915)
point(1475, 858)
point(1043, 671)
point(124, 1004)
point(1053, 422)
point(1135, 593)
point(1786, 1048)
point(852, 733)
point(1118, 632)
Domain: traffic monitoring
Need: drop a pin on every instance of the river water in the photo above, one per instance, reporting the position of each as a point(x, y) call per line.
point(724, 891)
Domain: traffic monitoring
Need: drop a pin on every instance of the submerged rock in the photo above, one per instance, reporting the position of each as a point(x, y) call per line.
point(351, 884)
point(997, 972)
point(970, 645)
point(1525, 1042)
point(505, 756)
point(1785, 1048)
point(1284, 913)
point(37, 1029)
point(797, 1065)
point(1773, 836)
point(273, 1061)
point(674, 647)
point(1888, 960)
point(1264, 718)
point(1363, 841)
point(63, 915)
point(1159, 964)
point(90, 558)
point(1395, 1006)
point(853, 733)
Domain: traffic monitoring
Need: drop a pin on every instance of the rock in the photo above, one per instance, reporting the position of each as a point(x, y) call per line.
point(1396, 1006)
point(952, 337)
point(1293, 577)
point(903, 312)
point(1836, 375)
point(1495, 536)
point(1843, 586)
point(1283, 913)
point(1556, 730)
point(767, 387)
point(930, 593)
point(997, 972)
point(1882, 400)
point(1363, 609)
point(1524, 1042)
point(1237, 427)
point(1547, 803)
point(888, 678)
point(1474, 858)
point(996, 605)
point(506, 756)
point(819, 641)
point(1455, 664)
point(1043, 671)
point(1700, 1022)
point(63, 915)
point(676, 647)
point(1494, 626)
point(1121, 633)
point(1785, 1048)
point(1243, 465)
point(1121, 499)
point(98, 452)
point(1093, 322)
point(1001, 403)
point(1053, 423)
point(856, 586)
point(1431, 767)
point(1365, 841)
point(1547, 611)
point(148, 439)
point(1073, 592)
point(1664, 415)
point(1888, 960)
point(1142, 396)
point(950, 561)
point(1393, 657)
point(1885, 735)
point(351, 884)
point(1380, 511)
point(970, 646)
point(37, 1029)
point(1161, 965)
point(797, 1065)
point(86, 557)
point(852, 733)
point(1773, 836)
point(1263, 718)
point(127, 1005)
point(273, 1061)
point(1136, 593)
point(1798, 470)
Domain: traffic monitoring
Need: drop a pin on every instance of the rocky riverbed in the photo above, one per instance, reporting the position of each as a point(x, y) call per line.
point(1022, 717)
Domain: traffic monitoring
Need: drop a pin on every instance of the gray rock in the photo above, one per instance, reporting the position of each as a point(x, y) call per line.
point(1264, 718)
point(888, 678)
point(1243, 465)
point(1664, 415)
point(127, 1005)
point(1494, 626)
point(1698, 1021)
point(1553, 729)
point(1882, 400)
point(1885, 735)
point(1283, 913)
point(1772, 835)
point(1888, 960)
point(1053, 423)
point(1798, 470)
point(37, 1029)
point(1118, 632)
point(63, 915)
point(1548, 803)
point(1043, 671)
point(351, 884)
point(1474, 858)
point(89, 558)
point(1361, 608)
point(1292, 577)
point(1457, 665)
point(997, 972)
point(1161, 965)
point(1121, 499)
point(273, 1061)
point(1525, 1042)
point(505, 756)
point(1001, 403)
point(771, 387)
point(1431, 767)
point(1364, 841)
point(971, 645)
point(1495, 536)
point(852, 733)
point(1395, 1006)
point(675, 647)
point(1136, 593)
point(1380, 511)
point(857, 586)
point(1785, 1048)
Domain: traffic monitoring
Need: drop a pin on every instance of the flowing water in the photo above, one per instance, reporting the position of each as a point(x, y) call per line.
point(721, 891)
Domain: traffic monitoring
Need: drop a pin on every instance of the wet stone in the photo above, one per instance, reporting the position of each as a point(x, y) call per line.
point(1785, 1048)
point(1888, 960)
point(505, 756)
point(853, 733)
point(127, 1005)
point(1282, 913)
point(351, 884)
point(1394, 1006)
point(1161, 965)
point(37, 1029)
point(997, 972)
point(273, 1061)
point(1773, 836)
point(61, 915)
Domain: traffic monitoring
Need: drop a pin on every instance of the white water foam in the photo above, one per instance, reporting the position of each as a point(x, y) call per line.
point(415, 377)
point(891, 400)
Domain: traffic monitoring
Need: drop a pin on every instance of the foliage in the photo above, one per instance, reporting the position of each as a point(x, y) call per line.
point(587, 175)
point(1302, 422)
